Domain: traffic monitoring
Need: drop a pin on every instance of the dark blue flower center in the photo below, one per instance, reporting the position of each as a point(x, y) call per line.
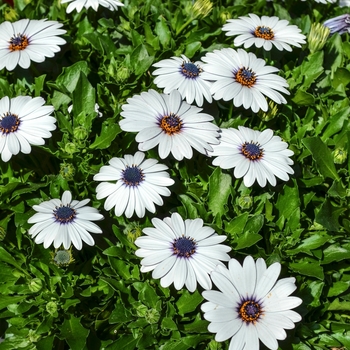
point(252, 150)
point(133, 175)
point(245, 77)
point(171, 124)
point(9, 123)
point(184, 246)
point(190, 70)
point(249, 311)
point(264, 33)
point(18, 43)
point(64, 214)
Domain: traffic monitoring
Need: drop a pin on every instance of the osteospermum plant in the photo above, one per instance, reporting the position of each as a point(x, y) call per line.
point(225, 210)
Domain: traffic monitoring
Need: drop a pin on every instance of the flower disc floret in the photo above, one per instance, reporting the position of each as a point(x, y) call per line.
point(185, 76)
point(251, 304)
point(133, 184)
point(79, 4)
point(24, 121)
point(172, 124)
point(254, 155)
point(264, 32)
point(64, 222)
point(181, 252)
point(243, 78)
point(27, 40)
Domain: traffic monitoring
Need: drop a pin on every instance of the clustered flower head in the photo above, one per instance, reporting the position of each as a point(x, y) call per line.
point(28, 40)
point(264, 32)
point(250, 304)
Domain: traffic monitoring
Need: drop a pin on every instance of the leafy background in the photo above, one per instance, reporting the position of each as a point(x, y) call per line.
point(101, 300)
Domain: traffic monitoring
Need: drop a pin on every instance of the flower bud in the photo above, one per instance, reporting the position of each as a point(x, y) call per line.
point(202, 8)
point(10, 14)
point(317, 37)
point(152, 316)
point(80, 133)
point(245, 202)
point(67, 171)
point(35, 285)
point(339, 155)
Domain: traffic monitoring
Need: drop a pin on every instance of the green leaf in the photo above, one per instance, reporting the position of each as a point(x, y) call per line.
point(317, 240)
point(251, 236)
point(74, 333)
point(338, 288)
point(336, 252)
point(108, 133)
point(163, 32)
point(308, 267)
point(322, 156)
point(68, 79)
point(236, 226)
point(328, 215)
point(188, 302)
point(303, 98)
point(219, 191)
point(6, 300)
point(337, 305)
point(140, 60)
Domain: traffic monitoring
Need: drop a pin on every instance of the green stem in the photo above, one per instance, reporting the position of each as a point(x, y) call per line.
point(184, 26)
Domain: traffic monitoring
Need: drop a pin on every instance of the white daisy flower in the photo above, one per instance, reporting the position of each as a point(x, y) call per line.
point(181, 252)
point(254, 155)
point(137, 184)
point(250, 304)
point(24, 121)
point(28, 40)
point(264, 32)
point(64, 222)
point(79, 4)
point(169, 122)
point(185, 76)
point(243, 78)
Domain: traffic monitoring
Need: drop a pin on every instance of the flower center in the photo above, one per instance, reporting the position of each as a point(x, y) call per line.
point(9, 123)
point(250, 311)
point(264, 33)
point(133, 175)
point(171, 124)
point(64, 214)
point(18, 43)
point(245, 77)
point(252, 150)
point(190, 70)
point(184, 246)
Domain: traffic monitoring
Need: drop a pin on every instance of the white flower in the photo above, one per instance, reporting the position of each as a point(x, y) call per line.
point(255, 155)
point(264, 32)
point(339, 24)
point(181, 252)
point(79, 4)
point(185, 76)
point(64, 222)
point(243, 78)
point(24, 121)
point(137, 184)
point(250, 304)
point(28, 40)
point(169, 122)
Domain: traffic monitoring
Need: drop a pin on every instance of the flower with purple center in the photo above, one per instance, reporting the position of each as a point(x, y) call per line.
point(264, 32)
point(133, 184)
point(24, 121)
point(183, 75)
point(28, 40)
point(181, 252)
point(250, 304)
point(64, 222)
point(254, 155)
point(242, 77)
point(172, 124)
point(339, 24)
